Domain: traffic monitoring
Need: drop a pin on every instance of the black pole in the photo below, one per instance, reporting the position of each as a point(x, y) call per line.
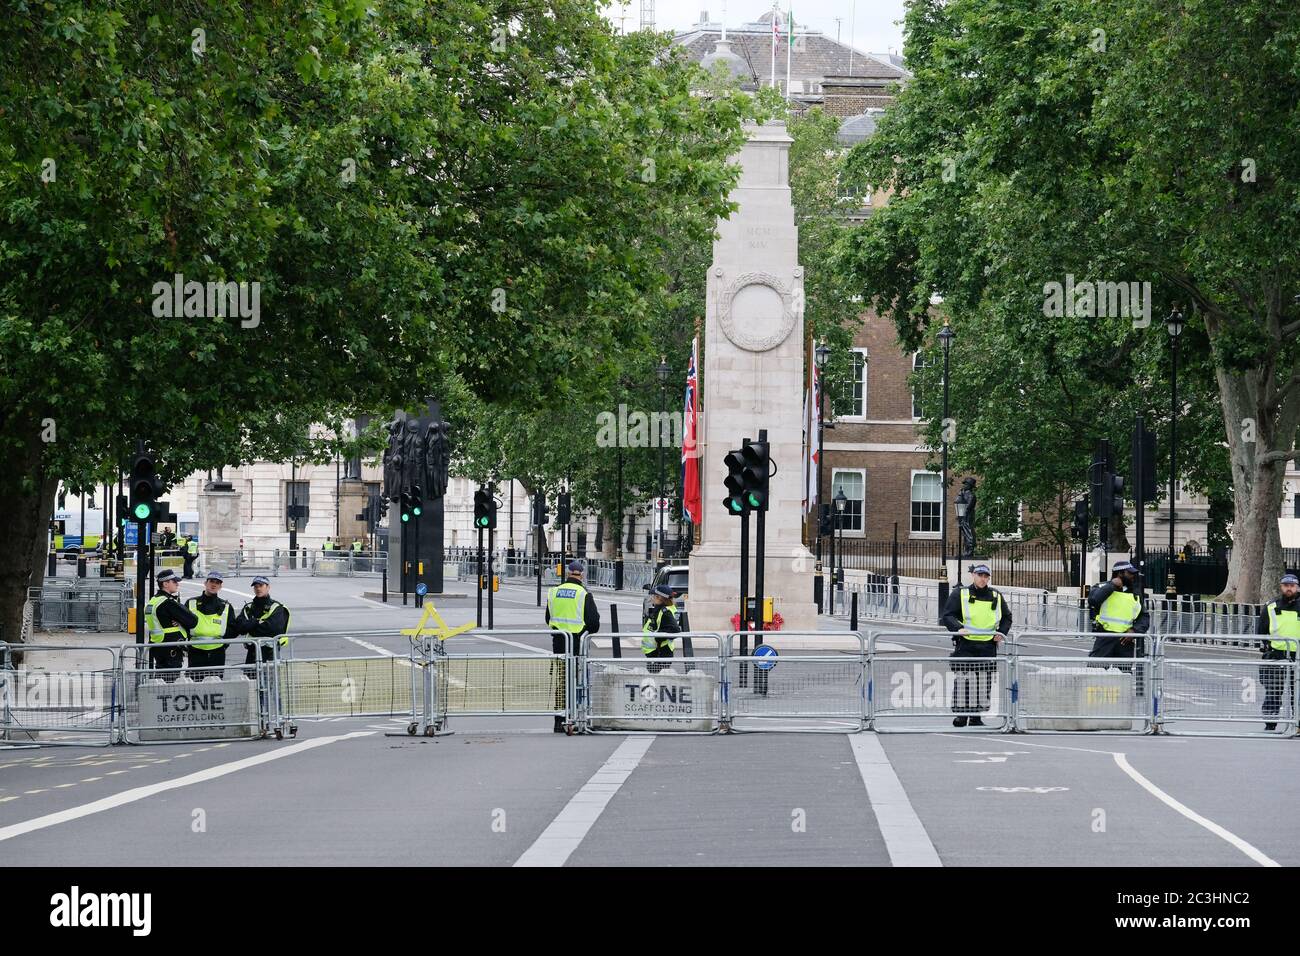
point(511, 547)
point(744, 591)
point(1173, 461)
point(492, 500)
point(121, 541)
point(945, 336)
point(760, 554)
point(618, 544)
point(1139, 467)
point(478, 580)
point(83, 526)
point(614, 644)
point(537, 517)
point(383, 573)
point(835, 520)
point(141, 579)
point(418, 562)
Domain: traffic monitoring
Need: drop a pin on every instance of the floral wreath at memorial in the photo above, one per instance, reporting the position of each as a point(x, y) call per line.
point(773, 625)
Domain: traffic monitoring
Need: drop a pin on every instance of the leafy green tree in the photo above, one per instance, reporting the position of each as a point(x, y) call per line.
point(424, 192)
point(1037, 142)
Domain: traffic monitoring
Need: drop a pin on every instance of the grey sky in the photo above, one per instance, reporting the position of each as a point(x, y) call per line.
point(875, 29)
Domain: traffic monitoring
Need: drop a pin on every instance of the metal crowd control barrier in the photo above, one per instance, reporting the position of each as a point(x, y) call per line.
point(45, 701)
point(918, 603)
point(317, 687)
point(791, 685)
point(1065, 692)
point(100, 606)
point(1227, 692)
point(348, 564)
point(196, 703)
point(537, 683)
point(912, 694)
point(636, 694)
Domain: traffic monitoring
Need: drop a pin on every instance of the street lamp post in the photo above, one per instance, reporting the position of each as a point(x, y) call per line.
point(661, 372)
point(840, 502)
point(1174, 326)
point(821, 355)
point(961, 548)
point(946, 335)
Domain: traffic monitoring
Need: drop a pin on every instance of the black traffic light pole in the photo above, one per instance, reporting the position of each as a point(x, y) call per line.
point(744, 591)
point(759, 544)
point(539, 505)
point(1139, 469)
point(478, 580)
point(492, 526)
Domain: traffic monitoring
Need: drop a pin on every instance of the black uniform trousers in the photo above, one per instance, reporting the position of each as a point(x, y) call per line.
point(200, 659)
point(1274, 679)
point(189, 566)
point(660, 651)
point(972, 687)
point(167, 657)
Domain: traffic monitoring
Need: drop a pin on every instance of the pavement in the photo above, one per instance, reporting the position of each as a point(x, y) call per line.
point(505, 791)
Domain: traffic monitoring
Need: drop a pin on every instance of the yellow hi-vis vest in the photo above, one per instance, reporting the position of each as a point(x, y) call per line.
point(648, 633)
point(288, 618)
point(980, 617)
point(356, 547)
point(157, 633)
point(1118, 612)
point(193, 548)
point(1283, 624)
point(566, 602)
point(210, 625)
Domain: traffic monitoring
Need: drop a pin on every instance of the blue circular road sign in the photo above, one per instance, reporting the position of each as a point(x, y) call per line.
point(421, 589)
point(769, 655)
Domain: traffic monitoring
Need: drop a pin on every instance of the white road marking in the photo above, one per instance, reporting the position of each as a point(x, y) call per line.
point(1122, 761)
point(140, 793)
point(567, 831)
point(502, 640)
point(904, 834)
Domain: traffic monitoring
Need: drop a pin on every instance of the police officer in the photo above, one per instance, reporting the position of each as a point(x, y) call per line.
point(263, 617)
point(1117, 614)
point(570, 610)
point(328, 545)
point(216, 622)
point(356, 546)
point(662, 619)
point(1279, 620)
point(979, 619)
point(189, 553)
point(167, 620)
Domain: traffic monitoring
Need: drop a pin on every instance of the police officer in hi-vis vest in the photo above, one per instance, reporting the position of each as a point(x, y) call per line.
point(216, 622)
point(263, 617)
point(189, 554)
point(979, 619)
point(1117, 614)
point(570, 610)
point(662, 620)
point(167, 620)
point(1279, 621)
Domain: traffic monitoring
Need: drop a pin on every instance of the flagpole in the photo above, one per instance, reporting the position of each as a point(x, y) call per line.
point(853, 19)
point(789, 55)
point(776, 12)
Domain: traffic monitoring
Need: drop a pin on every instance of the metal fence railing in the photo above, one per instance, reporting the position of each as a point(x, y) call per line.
point(1033, 681)
point(93, 604)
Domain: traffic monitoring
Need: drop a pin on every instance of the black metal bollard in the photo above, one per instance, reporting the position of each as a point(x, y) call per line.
point(384, 578)
point(615, 646)
point(853, 612)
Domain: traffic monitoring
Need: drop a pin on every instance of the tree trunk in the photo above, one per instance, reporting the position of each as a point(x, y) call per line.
point(1256, 424)
point(27, 498)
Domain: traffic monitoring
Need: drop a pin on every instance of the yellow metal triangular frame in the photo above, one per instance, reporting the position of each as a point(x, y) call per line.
point(442, 631)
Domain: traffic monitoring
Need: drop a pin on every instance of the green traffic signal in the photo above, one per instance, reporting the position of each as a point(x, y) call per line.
point(143, 510)
point(755, 500)
point(417, 511)
point(405, 516)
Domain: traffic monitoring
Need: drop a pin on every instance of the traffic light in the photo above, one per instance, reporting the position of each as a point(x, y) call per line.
point(1079, 528)
point(540, 514)
point(757, 471)
point(417, 501)
point(735, 482)
point(1117, 494)
point(824, 527)
point(1144, 463)
point(146, 486)
point(407, 506)
point(562, 508)
point(482, 509)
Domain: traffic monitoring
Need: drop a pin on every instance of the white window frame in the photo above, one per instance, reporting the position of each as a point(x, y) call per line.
point(916, 357)
point(866, 365)
point(861, 473)
point(911, 500)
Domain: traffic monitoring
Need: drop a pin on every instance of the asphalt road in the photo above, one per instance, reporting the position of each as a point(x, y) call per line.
point(504, 791)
